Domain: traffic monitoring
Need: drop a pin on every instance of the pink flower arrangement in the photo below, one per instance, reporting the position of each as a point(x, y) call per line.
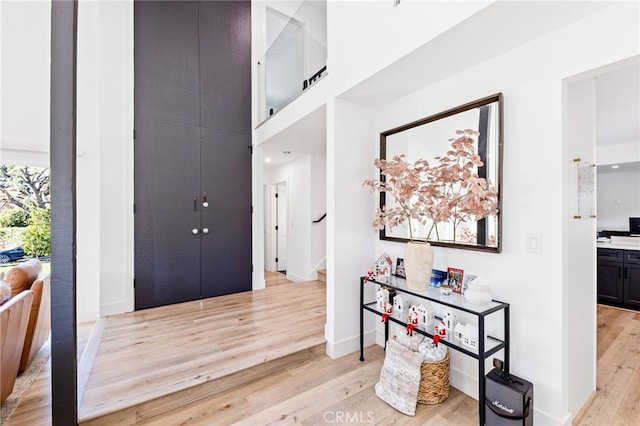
point(450, 191)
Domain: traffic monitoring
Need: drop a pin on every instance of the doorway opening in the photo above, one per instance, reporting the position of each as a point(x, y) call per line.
point(276, 241)
point(603, 129)
point(281, 203)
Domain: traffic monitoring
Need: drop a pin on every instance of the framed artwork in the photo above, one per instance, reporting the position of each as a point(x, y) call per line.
point(400, 268)
point(438, 277)
point(455, 276)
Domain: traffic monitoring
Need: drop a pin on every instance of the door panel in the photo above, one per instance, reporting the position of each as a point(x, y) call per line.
point(167, 177)
point(226, 178)
point(166, 60)
point(192, 71)
point(609, 281)
point(632, 284)
point(282, 221)
point(225, 65)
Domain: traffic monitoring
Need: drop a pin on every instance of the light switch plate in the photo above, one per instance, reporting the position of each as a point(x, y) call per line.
point(534, 243)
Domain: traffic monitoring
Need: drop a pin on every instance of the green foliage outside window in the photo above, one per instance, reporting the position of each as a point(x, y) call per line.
point(37, 236)
point(13, 218)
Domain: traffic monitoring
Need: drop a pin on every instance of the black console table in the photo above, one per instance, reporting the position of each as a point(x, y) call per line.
point(487, 345)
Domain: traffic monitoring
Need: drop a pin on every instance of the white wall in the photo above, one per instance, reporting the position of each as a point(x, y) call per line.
point(350, 238)
point(25, 45)
point(105, 162)
point(618, 153)
point(617, 199)
point(88, 164)
point(537, 149)
point(536, 285)
point(366, 36)
point(318, 208)
point(579, 254)
point(533, 284)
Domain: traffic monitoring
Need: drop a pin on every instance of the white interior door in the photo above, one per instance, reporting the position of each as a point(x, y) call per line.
point(281, 226)
point(268, 252)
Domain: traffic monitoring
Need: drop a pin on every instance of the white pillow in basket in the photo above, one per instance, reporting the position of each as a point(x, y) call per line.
point(399, 334)
point(431, 352)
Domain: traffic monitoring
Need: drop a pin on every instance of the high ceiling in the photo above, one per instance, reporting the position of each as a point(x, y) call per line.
point(618, 91)
point(617, 120)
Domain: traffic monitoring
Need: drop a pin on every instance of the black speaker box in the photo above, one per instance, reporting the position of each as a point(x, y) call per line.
point(508, 400)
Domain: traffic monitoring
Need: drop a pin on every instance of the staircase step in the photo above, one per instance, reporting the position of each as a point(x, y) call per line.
point(158, 360)
point(175, 403)
point(322, 275)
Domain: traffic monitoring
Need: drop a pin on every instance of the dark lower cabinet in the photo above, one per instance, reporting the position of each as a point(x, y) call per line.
point(632, 278)
point(619, 277)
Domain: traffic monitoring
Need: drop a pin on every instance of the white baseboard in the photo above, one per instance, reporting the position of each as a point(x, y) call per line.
point(468, 384)
point(297, 278)
point(542, 418)
point(464, 382)
point(115, 309)
point(339, 349)
point(259, 285)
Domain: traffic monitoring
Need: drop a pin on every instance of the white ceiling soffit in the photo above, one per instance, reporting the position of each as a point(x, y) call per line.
point(495, 29)
point(633, 166)
point(307, 136)
point(618, 106)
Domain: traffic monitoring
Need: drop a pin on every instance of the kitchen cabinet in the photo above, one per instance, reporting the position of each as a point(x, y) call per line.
point(619, 277)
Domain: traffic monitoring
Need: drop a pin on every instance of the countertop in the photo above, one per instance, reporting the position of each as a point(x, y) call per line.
point(609, 245)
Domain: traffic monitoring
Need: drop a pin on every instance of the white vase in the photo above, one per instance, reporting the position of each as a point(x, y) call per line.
point(418, 263)
point(478, 292)
point(477, 297)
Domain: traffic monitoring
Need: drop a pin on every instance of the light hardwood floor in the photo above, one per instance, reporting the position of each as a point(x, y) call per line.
point(35, 407)
point(183, 350)
point(617, 397)
point(316, 390)
point(275, 278)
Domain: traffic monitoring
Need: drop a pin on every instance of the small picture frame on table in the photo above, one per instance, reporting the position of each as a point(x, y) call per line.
point(455, 279)
point(400, 268)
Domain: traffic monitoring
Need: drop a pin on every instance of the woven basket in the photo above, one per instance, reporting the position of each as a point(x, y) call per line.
point(434, 381)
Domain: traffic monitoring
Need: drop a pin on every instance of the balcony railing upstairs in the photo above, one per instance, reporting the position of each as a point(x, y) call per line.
point(296, 55)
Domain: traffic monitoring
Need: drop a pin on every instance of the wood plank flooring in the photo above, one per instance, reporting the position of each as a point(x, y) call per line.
point(275, 278)
point(35, 407)
point(318, 390)
point(171, 349)
point(617, 397)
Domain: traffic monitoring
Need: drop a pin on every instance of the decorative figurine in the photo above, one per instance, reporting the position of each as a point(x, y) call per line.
point(383, 265)
point(400, 305)
point(382, 297)
point(466, 333)
point(458, 331)
point(371, 275)
point(449, 318)
point(440, 329)
point(386, 311)
point(412, 320)
point(426, 313)
point(470, 336)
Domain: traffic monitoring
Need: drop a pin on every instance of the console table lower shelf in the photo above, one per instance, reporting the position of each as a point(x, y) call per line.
point(486, 345)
